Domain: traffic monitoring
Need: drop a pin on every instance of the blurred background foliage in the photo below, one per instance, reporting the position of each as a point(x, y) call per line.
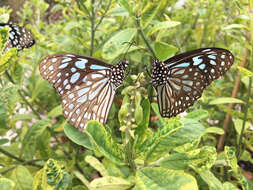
point(35, 150)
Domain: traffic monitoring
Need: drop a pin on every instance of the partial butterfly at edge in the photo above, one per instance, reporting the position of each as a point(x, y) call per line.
point(19, 37)
point(86, 85)
point(180, 80)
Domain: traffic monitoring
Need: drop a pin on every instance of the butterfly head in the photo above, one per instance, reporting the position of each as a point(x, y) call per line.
point(159, 73)
point(118, 73)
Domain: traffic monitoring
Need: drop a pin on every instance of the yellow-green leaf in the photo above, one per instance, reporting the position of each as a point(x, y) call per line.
point(96, 165)
point(22, 178)
point(245, 71)
point(164, 51)
point(226, 100)
point(6, 184)
point(110, 183)
point(151, 178)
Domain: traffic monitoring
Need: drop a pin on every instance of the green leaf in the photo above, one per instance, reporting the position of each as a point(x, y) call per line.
point(40, 181)
point(6, 184)
point(162, 25)
point(234, 26)
point(78, 137)
point(158, 178)
point(103, 141)
point(3, 112)
point(149, 13)
point(4, 141)
point(225, 100)
point(22, 178)
point(245, 72)
point(197, 114)
point(30, 139)
point(96, 165)
point(156, 110)
point(79, 187)
point(164, 51)
point(202, 158)
point(55, 112)
point(211, 180)
point(117, 45)
point(110, 183)
point(126, 6)
point(238, 123)
point(229, 186)
point(22, 117)
point(7, 59)
point(17, 73)
point(214, 130)
point(142, 127)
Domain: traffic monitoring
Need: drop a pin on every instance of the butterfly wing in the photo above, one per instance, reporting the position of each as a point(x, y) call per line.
point(84, 85)
point(186, 76)
point(19, 37)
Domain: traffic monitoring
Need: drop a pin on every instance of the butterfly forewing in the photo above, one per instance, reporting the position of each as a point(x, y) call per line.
point(85, 84)
point(180, 80)
point(19, 37)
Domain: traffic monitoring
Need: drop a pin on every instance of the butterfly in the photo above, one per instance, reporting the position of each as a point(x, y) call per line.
point(86, 85)
point(180, 80)
point(19, 37)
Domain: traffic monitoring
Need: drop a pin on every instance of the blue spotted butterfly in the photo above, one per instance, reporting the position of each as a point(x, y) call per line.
point(86, 85)
point(19, 37)
point(180, 80)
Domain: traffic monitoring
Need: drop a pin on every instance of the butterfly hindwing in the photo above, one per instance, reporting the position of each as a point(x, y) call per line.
point(19, 37)
point(86, 85)
point(180, 80)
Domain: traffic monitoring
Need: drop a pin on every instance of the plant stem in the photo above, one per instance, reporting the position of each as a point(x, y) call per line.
point(20, 92)
point(128, 150)
point(103, 16)
point(143, 36)
point(30, 162)
point(231, 105)
point(92, 20)
point(239, 149)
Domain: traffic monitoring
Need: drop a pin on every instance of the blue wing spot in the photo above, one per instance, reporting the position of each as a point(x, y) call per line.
point(222, 63)
point(73, 69)
point(212, 70)
point(82, 91)
point(11, 36)
point(197, 60)
point(186, 88)
point(212, 62)
point(85, 79)
point(62, 66)
point(183, 65)
point(98, 67)
point(66, 60)
point(74, 77)
point(223, 56)
point(81, 64)
point(212, 56)
point(202, 66)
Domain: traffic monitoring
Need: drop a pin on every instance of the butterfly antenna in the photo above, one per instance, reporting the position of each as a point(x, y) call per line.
point(146, 69)
point(130, 44)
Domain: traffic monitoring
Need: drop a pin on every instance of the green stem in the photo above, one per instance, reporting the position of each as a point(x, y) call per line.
point(92, 20)
point(20, 92)
point(143, 36)
point(240, 149)
point(103, 16)
point(128, 151)
point(30, 162)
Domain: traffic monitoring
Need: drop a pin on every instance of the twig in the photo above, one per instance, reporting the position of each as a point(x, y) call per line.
point(103, 16)
point(231, 105)
point(30, 162)
point(20, 92)
point(143, 35)
point(84, 7)
point(239, 148)
point(92, 20)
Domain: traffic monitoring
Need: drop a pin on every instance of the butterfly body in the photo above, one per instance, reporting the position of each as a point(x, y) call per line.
point(180, 80)
point(19, 37)
point(87, 85)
